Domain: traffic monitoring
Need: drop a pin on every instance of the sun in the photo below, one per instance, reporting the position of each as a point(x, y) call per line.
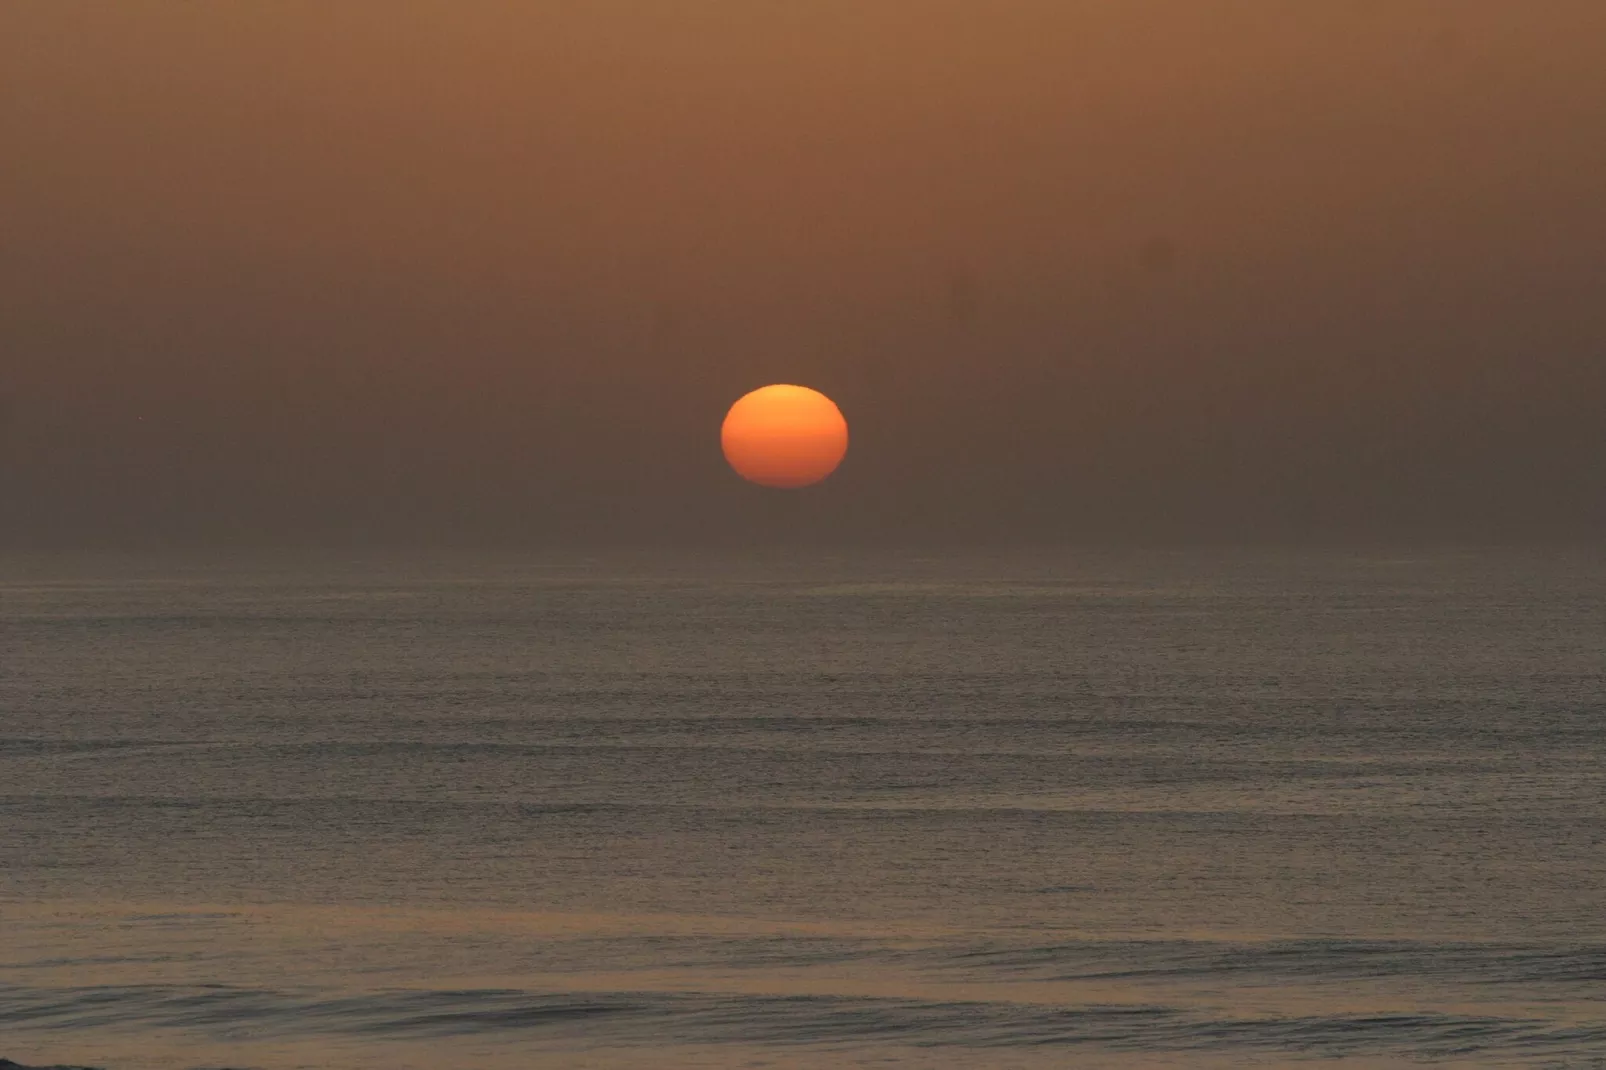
point(784, 436)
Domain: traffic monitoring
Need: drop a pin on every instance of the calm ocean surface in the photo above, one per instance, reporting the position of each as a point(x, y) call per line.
point(1039, 811)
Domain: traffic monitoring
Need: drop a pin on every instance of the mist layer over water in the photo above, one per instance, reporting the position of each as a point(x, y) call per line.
point(1143, 810)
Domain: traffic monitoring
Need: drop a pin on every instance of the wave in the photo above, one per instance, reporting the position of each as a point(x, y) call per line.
point(1277, 961)
point(701, 1018)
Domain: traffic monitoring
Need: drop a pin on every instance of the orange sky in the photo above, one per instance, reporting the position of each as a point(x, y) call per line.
point(493, 272)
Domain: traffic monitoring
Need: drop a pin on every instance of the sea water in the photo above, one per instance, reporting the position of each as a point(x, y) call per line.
point(1031, 810)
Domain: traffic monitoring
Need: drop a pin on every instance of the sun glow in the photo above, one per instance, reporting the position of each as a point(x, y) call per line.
point(784, 436)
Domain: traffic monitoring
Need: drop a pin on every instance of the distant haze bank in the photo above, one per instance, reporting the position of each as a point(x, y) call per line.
point(1149, 271)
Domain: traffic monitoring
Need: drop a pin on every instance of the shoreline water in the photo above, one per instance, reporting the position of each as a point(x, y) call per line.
point(1131, 813)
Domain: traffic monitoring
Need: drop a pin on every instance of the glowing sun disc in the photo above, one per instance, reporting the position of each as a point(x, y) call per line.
point(784, 436)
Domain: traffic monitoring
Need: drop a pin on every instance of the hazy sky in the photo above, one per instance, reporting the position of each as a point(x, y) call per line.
point(491, 272)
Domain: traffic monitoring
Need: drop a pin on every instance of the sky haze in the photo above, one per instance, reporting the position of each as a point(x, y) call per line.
point(491, 273)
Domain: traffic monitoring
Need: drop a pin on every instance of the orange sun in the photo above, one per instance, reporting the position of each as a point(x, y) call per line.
point(784, 436)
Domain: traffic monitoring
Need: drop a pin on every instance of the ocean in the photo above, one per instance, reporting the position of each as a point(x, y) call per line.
point(1046, 809)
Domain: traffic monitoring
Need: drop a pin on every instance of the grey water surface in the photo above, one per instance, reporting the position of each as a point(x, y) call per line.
point(1069, 808)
